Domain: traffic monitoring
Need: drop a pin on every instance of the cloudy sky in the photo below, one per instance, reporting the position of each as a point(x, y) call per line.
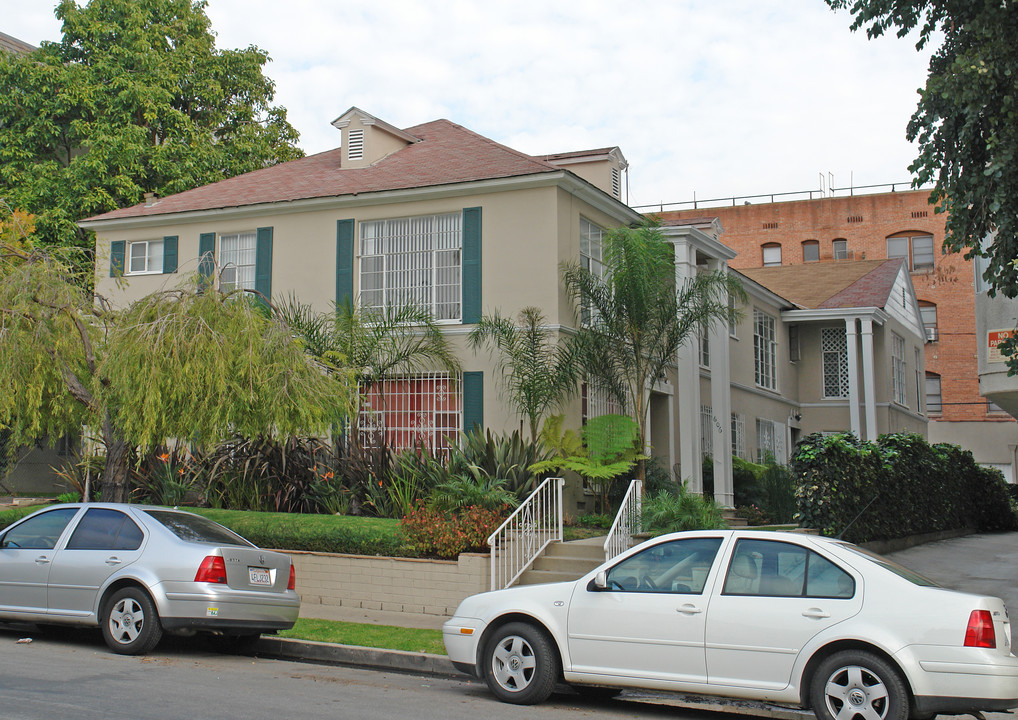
point(715, 98)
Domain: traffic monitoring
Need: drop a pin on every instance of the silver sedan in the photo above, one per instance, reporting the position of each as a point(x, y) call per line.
point(137, 571)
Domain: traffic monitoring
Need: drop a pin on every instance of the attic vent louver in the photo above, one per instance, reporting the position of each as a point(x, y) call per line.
point(616, 183)
point(355, 145)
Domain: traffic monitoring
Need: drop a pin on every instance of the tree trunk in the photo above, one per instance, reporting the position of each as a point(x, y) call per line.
point(115, 486)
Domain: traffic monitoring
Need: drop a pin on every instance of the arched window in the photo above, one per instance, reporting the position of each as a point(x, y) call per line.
point(915, 247)
point(771, 254)
point(811, 251)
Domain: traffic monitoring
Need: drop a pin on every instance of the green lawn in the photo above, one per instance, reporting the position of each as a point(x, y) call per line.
point(386, 637)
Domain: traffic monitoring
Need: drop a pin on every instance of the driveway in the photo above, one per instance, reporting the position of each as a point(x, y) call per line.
point(985, 564)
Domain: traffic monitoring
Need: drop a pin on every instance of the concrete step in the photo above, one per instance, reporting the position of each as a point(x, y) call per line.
point(536, 577)
point(564, 561)
point(577, 549)
point(733, 520)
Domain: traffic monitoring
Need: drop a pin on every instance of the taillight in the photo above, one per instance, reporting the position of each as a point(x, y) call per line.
point(980, 633)
point(292, 585)
point(211, 570)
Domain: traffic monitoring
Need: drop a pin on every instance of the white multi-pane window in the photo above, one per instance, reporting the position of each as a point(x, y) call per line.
point(704, 348)
point(738, 435)
point(597, 401)
point(898, 368)
point(237, 254)
point(834, 351)
point(706, 431)
point(413, 261)
point(145, 256)
point(770, 442)
point(592, 248)
point(405, 412)
point(918, 383)
point(764, 350)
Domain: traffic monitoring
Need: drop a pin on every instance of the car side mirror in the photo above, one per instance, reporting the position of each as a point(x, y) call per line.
point(601, 581)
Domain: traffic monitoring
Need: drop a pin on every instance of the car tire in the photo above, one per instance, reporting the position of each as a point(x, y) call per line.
point(862, 681)
point(521, 664)
point(233, 644)
point(130, 623)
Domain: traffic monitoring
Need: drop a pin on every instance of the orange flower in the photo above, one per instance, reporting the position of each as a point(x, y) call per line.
point(165, 457)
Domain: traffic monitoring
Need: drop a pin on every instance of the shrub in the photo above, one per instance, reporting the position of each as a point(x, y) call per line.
point(678, 509)
point(752, 514)
point(506, 456)
point(472, 489)
point(432, 532)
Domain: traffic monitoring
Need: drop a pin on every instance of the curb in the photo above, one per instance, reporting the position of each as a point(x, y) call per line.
point(440, 666)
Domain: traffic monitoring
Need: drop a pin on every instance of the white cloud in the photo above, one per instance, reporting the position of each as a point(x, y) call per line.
point(721, 98)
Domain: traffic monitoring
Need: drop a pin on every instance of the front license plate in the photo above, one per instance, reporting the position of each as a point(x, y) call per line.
point(259, 576)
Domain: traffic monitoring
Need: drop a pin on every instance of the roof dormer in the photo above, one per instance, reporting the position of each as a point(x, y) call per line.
point(366, 139)
point(604, 168)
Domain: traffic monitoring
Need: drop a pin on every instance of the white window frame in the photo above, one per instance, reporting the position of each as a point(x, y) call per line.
point(237, 264)
point(918, 383)
point(770, 438)
point(413, 261)
point(910, 250)
point(706, 432)
point(898, 369)
point(704, 345)
point(774, 251)
point(764, 350)
point(596, 402)
point(153, 257)
point(739, 435)
point(834, 359)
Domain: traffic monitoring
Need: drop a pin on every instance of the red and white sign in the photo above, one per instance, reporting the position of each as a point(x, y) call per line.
point(993, 341)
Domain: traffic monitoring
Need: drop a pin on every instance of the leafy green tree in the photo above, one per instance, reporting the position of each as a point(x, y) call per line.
point(637, 317)
point(176, 364)
point(135, 98)
point(537, 371)
point(966, 122)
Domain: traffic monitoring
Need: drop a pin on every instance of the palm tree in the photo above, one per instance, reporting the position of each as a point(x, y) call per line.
point(636, 317)
point(537, 372)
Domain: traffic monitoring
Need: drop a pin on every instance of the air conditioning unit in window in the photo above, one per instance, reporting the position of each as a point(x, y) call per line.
point(932, 334)
point(844, 255)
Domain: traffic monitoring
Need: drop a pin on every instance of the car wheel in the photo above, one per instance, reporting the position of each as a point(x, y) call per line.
point(858, 685)
point(233, 644)
point(521, 664)
point(130, 623)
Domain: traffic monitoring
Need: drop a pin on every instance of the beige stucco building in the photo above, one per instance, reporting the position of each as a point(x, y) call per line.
point(440, 216)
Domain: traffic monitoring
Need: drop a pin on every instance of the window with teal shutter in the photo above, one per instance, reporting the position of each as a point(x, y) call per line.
point(263, 263)
point(206, 260)
point(118, 250)
point(471, 265)
point(473, 401)
point(344, 261)
point(169, 254)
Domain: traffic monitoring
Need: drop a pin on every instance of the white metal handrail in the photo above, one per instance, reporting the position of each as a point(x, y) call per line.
point(627, 522)
point(526, 533)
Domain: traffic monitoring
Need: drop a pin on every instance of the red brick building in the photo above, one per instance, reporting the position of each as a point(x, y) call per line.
point(876, 226)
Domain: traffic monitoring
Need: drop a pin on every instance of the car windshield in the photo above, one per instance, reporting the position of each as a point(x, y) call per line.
point(195, 528)
point(900, 570)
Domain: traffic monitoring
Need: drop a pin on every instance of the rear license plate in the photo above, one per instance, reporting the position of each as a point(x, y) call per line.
point(259, 576)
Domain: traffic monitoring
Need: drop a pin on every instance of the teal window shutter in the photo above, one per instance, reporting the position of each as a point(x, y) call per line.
point(206, 260)
point(473, 401)
point(169, 254)
point(118, 249)
point(344, 261)
point(471, 265)
point(263, 263)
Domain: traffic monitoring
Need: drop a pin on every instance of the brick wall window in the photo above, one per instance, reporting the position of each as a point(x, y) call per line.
point(771, 254)
point(916, 249)
point(811, 251)
point(934, 398)
point(928, 311)
point(839, 249)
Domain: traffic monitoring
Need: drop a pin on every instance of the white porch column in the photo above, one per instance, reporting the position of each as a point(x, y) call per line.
point(869, 379)
point(721, 404)
point(687, 394)
point(853, 377)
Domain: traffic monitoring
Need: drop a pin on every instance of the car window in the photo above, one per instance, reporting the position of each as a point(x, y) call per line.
point(195, 528)
point(103, 529)
point(679, 566)
point(900, 570)
point(40, 532)
point(771, 568)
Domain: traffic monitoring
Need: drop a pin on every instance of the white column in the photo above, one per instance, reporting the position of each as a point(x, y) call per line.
point(869, 379)
point(853, 377)
point(687, 394)
point(721, 402)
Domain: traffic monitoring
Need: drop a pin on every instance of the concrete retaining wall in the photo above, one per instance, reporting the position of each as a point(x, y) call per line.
point(431, 587)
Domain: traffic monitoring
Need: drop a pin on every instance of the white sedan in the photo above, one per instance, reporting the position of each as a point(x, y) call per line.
point(780, 617)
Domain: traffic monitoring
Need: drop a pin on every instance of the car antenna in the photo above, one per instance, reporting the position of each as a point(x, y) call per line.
point(845, 529)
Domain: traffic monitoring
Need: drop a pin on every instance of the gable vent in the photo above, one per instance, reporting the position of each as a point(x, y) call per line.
point(770, 226)
point(855, 218)
point(355, 145)
point(616, 183)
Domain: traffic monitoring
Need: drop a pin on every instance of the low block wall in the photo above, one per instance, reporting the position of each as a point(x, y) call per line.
point(430, 587)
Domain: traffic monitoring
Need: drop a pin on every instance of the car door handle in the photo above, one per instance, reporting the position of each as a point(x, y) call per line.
point(689, 609)
point(816, 613)
point(41, 560)
point(113, 560)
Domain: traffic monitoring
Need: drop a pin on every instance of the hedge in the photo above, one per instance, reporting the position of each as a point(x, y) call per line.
point(898, 486)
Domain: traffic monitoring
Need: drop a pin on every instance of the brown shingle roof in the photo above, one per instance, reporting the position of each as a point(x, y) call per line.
point(448, 153)
point(840, 284)
point(13, 45)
